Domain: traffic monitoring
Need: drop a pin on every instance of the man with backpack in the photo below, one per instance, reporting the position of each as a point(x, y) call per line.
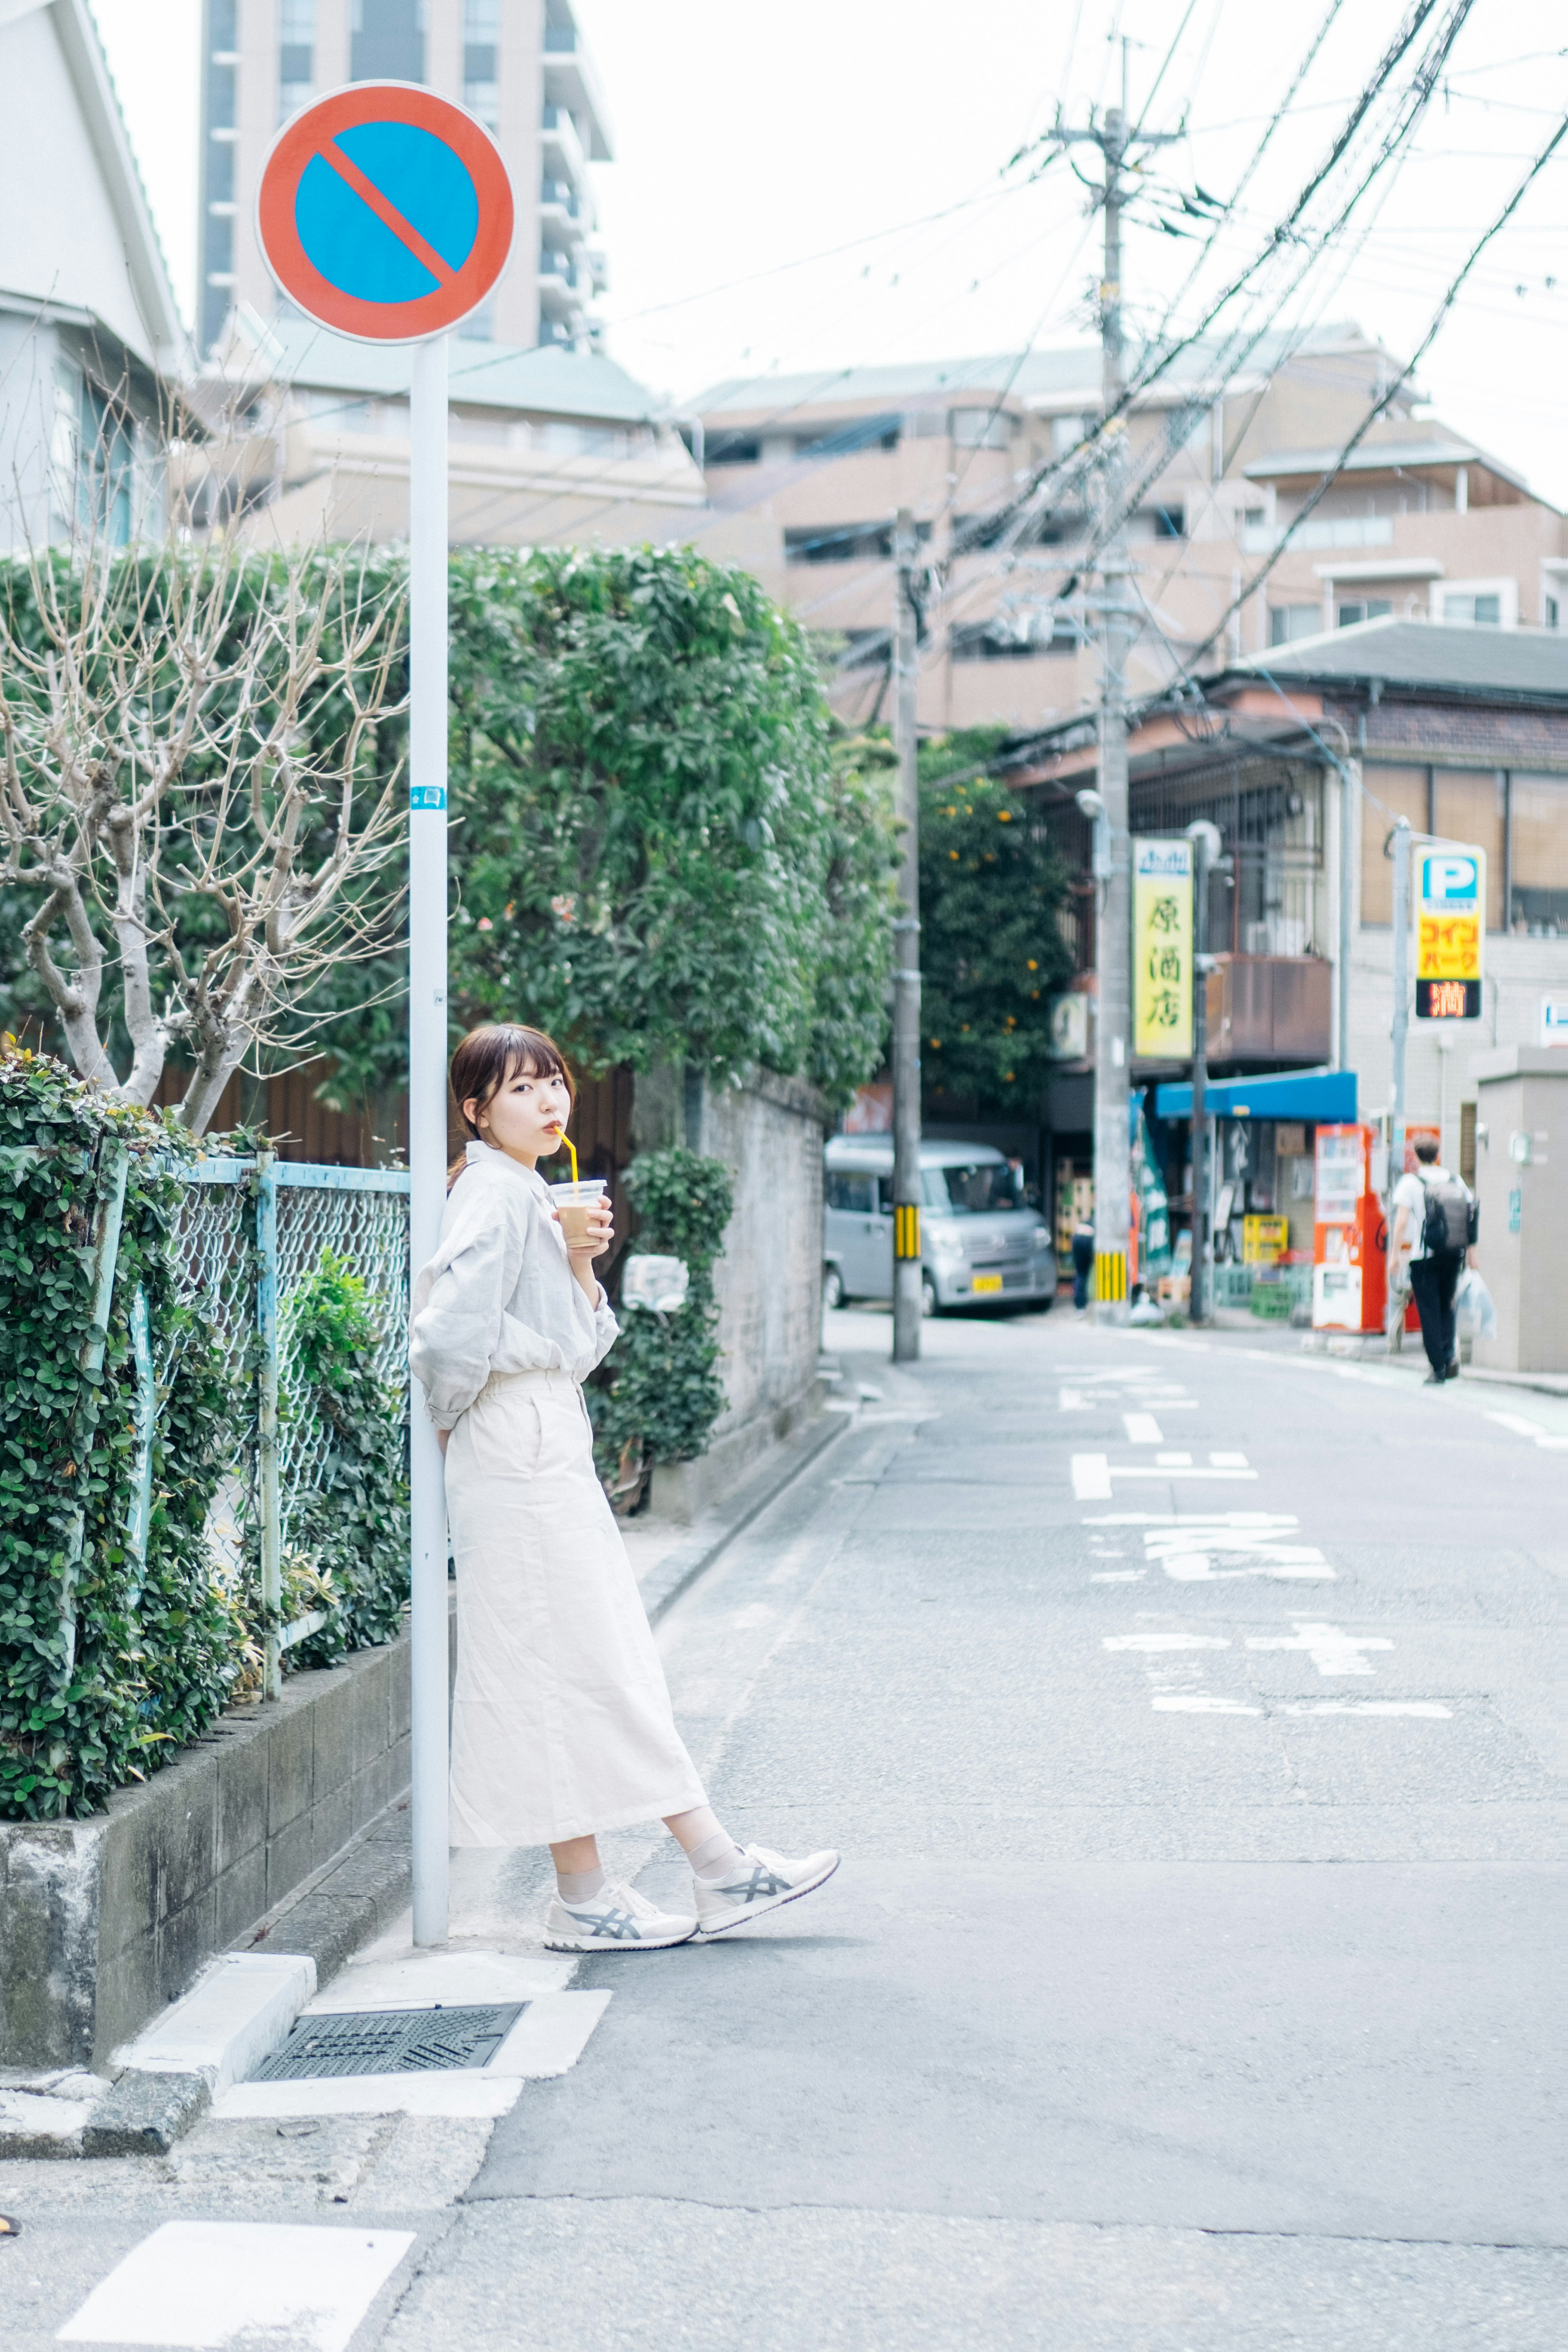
point(1434, 1226)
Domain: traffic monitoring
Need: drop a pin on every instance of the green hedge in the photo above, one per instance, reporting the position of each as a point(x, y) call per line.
point(350, 1532)
point(156, 1652)
point(155, 1655)
point(658, 1393)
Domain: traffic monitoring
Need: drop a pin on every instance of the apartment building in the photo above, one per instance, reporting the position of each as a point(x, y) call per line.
point(519, 65)
point(307, 438)
point(1420, 523)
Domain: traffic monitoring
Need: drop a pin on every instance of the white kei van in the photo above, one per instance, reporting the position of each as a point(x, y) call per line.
point(980, 1246)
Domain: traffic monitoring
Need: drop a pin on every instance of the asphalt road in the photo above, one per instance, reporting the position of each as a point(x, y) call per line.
point(1189, 1981)
point(1183, 1711)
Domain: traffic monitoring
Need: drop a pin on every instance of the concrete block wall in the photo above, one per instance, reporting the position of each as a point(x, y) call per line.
point(106, 1919)
point(768, 1282)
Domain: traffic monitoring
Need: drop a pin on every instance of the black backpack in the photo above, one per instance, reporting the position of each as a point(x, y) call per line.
point(1452, 1217)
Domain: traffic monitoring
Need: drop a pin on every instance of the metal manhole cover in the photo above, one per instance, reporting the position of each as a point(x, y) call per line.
point(390, 2041)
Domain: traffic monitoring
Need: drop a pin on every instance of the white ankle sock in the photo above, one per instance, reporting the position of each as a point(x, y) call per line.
point(716, 1858)
point(579, 1886)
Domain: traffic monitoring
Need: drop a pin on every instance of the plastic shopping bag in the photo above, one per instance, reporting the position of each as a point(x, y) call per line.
point(1474, 1317)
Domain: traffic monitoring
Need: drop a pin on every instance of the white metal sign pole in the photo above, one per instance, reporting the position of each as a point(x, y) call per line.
point(427, 1103)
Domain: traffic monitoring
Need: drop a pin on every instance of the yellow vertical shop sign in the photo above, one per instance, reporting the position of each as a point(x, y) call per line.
point(1163, 950)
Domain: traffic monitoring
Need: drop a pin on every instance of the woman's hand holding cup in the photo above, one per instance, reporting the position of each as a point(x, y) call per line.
point(600, 1235)
point(583, 1214)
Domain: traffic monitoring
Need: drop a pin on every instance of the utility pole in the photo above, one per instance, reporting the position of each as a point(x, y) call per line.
point(1401, 1028)
point(1205, 840)
point(1118, 618)
point(906, 1300)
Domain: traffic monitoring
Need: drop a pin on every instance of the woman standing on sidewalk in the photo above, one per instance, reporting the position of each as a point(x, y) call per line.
point(561, 1719)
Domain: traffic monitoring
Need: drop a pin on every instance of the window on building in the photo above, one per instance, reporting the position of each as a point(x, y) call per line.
point(1538, 858)
point(1365, 608)
point(92, 454)
point(982, 428)
point(1161, 522)
point(997, 641)
point(1066, 431)
point(1480, 611)
point(732, 449)
point(848, 440)
point(1473, 807)
point(220, 171)
point(220, 96)
point(844, 543)
point(296, 54)
point(1387, 792)
point(1552, 621)
point(387, 40)
point(479, 326)
point(1289, 622)
point(223, 24)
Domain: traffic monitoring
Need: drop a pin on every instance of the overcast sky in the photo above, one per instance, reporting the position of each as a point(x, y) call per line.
point(824, 185)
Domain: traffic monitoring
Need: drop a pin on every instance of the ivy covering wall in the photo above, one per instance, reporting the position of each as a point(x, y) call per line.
point(107, 1663)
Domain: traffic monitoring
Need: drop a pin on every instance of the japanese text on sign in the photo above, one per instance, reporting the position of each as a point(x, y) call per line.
point(1163, 950)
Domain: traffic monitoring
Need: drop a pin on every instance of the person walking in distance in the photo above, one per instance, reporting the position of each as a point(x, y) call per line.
point(562, 1725)
point(1082, 1263)
point(1433, 1225)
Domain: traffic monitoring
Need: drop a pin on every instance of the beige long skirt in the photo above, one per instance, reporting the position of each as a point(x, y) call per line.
point(560, 1716)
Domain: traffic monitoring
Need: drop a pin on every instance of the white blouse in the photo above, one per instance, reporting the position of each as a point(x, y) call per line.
point(500, 1294)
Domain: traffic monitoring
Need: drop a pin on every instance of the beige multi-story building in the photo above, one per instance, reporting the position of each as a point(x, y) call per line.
point(520, 65)
point(1420, 523)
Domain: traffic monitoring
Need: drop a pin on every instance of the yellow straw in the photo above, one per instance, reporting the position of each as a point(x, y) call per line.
point(572, 1149)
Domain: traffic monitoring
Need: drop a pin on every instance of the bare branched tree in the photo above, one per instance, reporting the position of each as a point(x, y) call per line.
point(196, 792)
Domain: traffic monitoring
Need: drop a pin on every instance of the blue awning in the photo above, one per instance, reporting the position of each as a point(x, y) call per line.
point(1325, 1096)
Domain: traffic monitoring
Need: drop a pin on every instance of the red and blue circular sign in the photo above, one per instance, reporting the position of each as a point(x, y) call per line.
point(384, 213)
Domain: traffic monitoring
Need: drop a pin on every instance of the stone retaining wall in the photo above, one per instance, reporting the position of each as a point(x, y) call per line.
point(104, 1921)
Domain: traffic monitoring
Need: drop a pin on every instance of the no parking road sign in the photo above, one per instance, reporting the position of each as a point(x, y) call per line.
point(384, 213)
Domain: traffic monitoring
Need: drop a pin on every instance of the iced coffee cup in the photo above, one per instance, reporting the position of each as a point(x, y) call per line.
point(574, 1203)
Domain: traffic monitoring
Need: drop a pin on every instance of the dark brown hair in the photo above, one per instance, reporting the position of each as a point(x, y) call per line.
point(1425, 1149)
point(488, 1058)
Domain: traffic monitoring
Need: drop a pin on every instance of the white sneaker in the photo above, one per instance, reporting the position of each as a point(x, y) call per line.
point(763, 1882)
point(617, 1919)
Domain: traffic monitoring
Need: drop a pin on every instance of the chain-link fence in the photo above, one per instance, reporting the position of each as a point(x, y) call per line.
point(252, 1232)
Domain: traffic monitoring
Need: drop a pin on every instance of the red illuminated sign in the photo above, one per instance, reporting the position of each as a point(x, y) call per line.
point(1447, 1000)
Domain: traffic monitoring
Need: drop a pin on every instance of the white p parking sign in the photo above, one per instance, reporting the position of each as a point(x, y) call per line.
point(1450, 930)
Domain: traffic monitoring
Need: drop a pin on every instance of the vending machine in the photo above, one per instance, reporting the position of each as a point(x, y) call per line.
point(1349, 1235)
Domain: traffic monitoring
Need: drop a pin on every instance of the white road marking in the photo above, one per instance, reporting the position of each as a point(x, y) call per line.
point(1162, 1642)
point(1118, 1576)
point(1189, 1469)
point(1200, 1703)
point(1331, 1650)
point(1518, 1423)
point(1257, 1520)
point(218, 2282)
point(1174, 1461)
point(1142, 1428)
point(1073, 1401)
point(1256, 1543)
point(1427, 1707)
point(1091, 1477)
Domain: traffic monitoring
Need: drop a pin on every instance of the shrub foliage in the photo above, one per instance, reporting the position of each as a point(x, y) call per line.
point(153, 1655)
point(658, 1392)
